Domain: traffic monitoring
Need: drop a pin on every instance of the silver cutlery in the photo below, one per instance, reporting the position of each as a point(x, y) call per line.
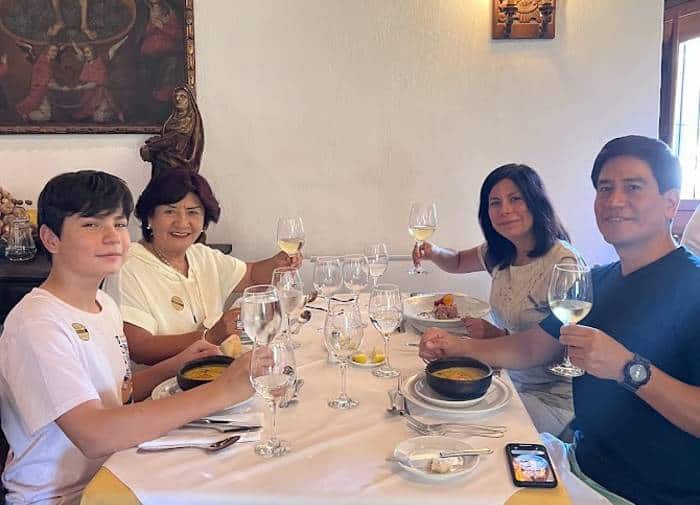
point(212, 447)
point(461, 431)
point(441, 454)
point(221, 427)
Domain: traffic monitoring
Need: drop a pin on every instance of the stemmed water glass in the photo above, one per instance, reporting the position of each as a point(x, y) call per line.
point(272, 373)
point(422, 222)
point(378, 260)
point(343, 334)
point(290, 234)
point(355, 273)
point(570, 297)
point(260, 313)
point(385, 313)
point(327, 277)
point(290, 290)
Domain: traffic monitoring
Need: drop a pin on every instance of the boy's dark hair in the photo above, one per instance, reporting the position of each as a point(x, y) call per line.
point(500, 252)
point(171, 186)
point(87, 193)
point(663, 163)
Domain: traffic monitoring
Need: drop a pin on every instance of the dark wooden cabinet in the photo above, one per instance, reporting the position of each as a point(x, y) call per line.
point(18, 279)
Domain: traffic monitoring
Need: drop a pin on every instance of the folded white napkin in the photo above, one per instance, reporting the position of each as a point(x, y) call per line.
point(206, 436)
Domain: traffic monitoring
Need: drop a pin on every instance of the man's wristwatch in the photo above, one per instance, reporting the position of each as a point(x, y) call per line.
point(637, 372)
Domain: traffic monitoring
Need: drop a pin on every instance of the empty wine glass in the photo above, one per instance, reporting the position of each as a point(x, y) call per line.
point(327, 277)
point(385, 313)
point(290, 290)
point(272, 373)
point(570, 297)
point(355, 273)
point(343, 335)
point(260, 313)
point(422, 222)
point(378, 260)
point(20, 244)
point(290, 234)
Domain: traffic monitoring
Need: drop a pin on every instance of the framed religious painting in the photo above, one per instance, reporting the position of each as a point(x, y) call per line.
point(92, 66)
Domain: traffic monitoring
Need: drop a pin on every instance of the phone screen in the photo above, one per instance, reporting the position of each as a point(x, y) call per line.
point(530, 465)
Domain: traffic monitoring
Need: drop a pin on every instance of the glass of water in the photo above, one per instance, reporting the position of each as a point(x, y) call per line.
point(290, 290)
point(343, 334)
point(378, 260)
point(386, 314)
point(261, 313)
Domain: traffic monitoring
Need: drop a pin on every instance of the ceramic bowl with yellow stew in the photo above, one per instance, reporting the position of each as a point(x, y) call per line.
point(200, 371)
point(460, 378)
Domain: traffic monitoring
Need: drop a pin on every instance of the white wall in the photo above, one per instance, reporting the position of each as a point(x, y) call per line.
point(344, 112)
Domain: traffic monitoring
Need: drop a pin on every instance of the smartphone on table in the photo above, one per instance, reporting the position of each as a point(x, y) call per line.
point(530, 465)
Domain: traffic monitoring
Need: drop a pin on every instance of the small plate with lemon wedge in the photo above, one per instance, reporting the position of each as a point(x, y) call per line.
point(368, 359)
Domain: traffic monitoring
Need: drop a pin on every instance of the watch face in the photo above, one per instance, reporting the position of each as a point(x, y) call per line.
point(638, 372)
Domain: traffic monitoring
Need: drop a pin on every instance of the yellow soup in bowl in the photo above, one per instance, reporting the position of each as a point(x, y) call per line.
point(204, 373)
point(461, 373)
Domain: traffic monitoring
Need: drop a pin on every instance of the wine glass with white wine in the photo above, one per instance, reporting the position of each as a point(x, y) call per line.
point(422, 222)
point(570, 297)
point(378, 260)
point(290, 234)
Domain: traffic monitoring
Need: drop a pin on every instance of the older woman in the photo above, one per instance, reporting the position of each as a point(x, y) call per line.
point(524, 240)
point(172, 290)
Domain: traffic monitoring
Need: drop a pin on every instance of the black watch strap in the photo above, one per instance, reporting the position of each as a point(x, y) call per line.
point(632, 382)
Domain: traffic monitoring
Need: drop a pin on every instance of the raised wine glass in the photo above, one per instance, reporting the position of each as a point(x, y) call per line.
point(290, 234)
point(570, 297)
point(378, 260)
point(272, 373)
point(343, 334)
point(385, 313)
point(355, 273)
point(422, 222)
point(261, 313)
point(290, 290)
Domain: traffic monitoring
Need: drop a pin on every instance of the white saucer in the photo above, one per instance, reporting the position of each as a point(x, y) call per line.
point(431, 396)
point(415, 455)
point(498, 395)
point(169, 387)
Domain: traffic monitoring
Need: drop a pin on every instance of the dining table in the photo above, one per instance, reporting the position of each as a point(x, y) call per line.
point(337, 456)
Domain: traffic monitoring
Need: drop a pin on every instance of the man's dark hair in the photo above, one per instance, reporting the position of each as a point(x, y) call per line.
point(87, 193)
point(546, 226)
point(663, 163)
point(170, 187)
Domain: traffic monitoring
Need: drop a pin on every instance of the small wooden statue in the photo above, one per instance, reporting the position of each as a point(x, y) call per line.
point(180, 144)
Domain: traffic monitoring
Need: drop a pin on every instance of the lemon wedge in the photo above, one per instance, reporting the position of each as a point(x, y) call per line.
point(360, 358)
point(378, 357)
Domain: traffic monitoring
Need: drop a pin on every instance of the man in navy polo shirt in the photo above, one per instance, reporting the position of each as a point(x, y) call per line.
point(637, 407)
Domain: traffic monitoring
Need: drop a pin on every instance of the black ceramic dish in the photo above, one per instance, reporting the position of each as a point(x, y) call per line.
point(459, 389)
point(186, 383)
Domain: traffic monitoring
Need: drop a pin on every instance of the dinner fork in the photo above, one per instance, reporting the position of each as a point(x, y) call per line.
point(213, 447)
point(463, 430)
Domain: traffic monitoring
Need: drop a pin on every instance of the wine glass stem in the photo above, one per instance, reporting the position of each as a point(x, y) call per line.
point(567, 361)
point(374, 281)
point(273, 406)
point(386, 350)
point(343, 378)
point(418, 267)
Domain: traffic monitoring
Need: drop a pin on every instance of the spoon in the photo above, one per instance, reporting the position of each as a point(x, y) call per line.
point(303, 318)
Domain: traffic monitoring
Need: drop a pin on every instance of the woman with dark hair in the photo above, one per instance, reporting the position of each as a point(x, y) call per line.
point(171, 289)
point(524, 240)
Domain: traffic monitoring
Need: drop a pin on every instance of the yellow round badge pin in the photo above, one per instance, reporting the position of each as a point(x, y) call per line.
point(177, 303)
point(81, 331)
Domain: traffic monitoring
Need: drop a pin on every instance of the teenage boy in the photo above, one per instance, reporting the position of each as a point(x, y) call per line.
point(66, 390)
point(637, 407)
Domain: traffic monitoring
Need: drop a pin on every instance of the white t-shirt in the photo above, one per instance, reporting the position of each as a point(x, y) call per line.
point(691, 234)
point(518, 302)
point(159, 299)
point(54, 357)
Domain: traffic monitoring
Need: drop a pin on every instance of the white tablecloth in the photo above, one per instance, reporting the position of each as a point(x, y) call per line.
point(337, 457)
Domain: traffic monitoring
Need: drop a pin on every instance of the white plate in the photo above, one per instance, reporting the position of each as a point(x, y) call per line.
point(422, 389)
point(498, 395)
point(418, 451)
point(420, 308)
point(169, 387)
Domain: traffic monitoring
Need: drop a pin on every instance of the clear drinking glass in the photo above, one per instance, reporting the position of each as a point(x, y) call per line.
point(290, 234)
point(378, 260)
point(261, 313)
point(422, 222)
point(327, 277)
point(570, 298)
point(385, 313)
point(343, 334)
point(290, 290)
point(355, 273)
point(20, 244)
point(272, 373)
